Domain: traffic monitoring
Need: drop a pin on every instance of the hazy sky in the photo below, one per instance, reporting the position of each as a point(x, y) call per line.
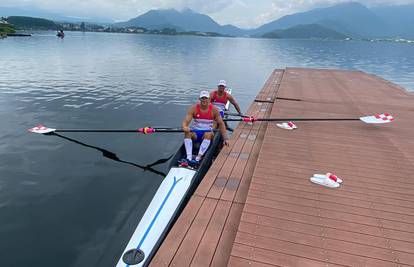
point(242, 13)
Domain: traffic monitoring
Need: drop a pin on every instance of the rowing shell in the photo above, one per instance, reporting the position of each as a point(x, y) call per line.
point(168, 202)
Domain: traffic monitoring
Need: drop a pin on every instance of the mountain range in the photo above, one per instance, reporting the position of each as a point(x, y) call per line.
point(186, 20)
point(350, 19)
point(307, 31)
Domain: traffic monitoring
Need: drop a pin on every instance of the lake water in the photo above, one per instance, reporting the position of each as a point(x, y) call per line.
point(64, 204)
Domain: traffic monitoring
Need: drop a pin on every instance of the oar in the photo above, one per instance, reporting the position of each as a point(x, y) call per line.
point(236, 114)
point(160, 161)
point(280, 98)
point(40, 129)
point(375, 119)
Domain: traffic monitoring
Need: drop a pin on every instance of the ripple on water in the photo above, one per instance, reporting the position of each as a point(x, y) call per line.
point(29, 183)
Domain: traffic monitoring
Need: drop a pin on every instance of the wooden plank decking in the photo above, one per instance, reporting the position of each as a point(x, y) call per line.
point(257, 207)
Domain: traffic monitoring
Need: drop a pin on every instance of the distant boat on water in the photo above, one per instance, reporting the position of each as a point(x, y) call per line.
point(60, 34)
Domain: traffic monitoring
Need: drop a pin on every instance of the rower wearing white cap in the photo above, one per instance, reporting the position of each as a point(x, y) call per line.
point(220, 97)
point(203, 115)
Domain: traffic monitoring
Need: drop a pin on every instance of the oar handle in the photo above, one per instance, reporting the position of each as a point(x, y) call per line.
point(146, 130)
point(150, 130)
point(244, 119)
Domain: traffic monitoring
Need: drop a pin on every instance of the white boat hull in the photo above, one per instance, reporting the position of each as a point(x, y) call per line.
point(162, 208)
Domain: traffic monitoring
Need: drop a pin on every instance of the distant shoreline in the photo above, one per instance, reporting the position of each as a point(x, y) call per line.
point(391, 40)
point(313, 31)
point(19, 34)
point(29, 32)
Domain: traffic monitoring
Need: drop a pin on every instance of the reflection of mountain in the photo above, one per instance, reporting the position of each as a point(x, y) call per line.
point(309, 31)
point(186, 20)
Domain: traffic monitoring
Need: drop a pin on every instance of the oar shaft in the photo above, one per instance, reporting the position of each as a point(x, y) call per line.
point(291, 119)
point(235, 114)
point(145, 130)
point(311, 119)
point(114, 131)
point(95, 131)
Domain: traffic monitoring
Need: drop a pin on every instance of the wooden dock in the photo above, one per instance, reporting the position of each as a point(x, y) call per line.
point(257, 207)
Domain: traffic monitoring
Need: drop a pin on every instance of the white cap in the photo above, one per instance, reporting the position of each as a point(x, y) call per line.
point(204, 94)
point(222, 82)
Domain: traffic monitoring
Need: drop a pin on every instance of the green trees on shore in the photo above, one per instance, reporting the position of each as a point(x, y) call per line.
point(28, 23)
point(6, 28)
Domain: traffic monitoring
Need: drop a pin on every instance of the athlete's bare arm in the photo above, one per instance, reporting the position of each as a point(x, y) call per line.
point(234, 103)
point(221, 125)
point(187, 119)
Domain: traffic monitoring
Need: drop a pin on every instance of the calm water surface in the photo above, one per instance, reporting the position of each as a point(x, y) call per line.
point(64, 204)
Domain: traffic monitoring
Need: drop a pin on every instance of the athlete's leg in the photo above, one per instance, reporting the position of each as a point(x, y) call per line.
point(208, 136)
point(188, 143)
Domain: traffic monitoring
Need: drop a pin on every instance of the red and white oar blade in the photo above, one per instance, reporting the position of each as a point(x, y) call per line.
point(40, 129)
point(378, 118)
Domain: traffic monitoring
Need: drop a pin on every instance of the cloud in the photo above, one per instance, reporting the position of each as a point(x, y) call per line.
point(280, 8)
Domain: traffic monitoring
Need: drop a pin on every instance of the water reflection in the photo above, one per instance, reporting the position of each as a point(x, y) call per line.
point(111, 155)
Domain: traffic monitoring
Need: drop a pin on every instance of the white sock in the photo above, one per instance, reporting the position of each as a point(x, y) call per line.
point(203, 148)
point(189, 148)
